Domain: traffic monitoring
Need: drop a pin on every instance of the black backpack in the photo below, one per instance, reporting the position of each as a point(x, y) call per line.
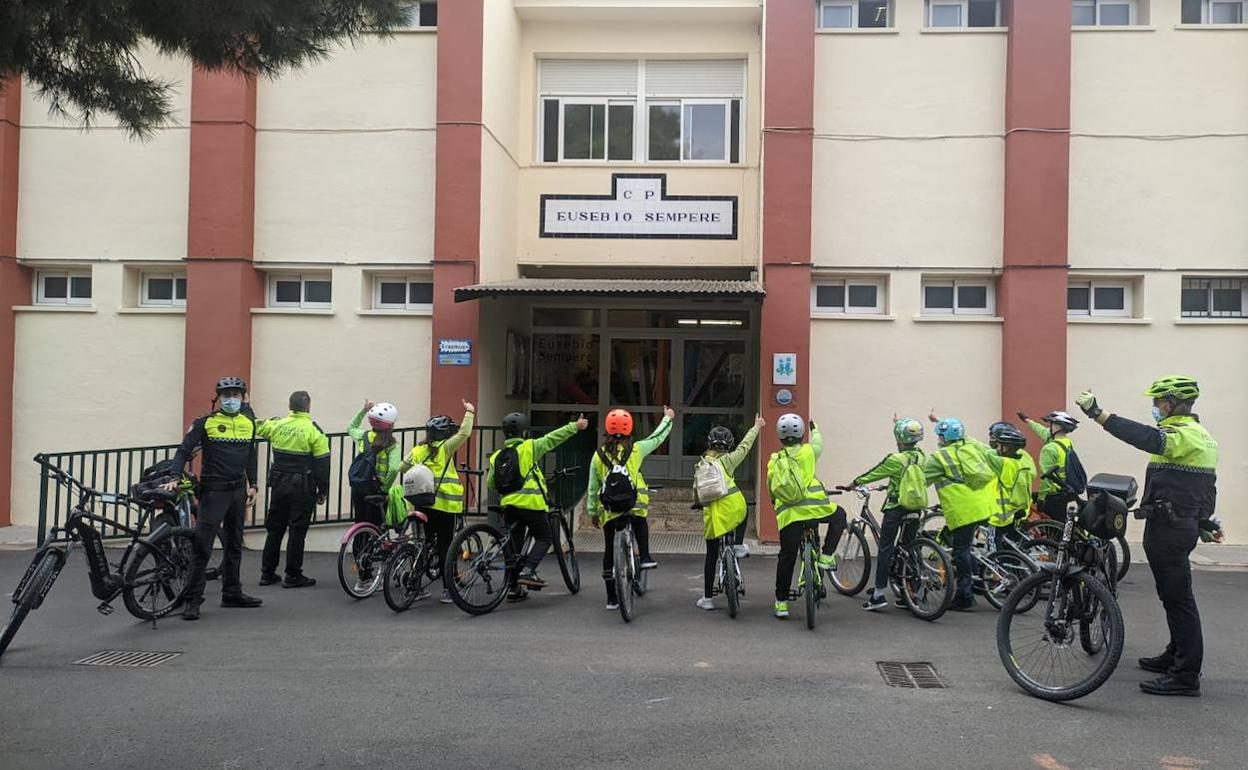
point(363, 470)
point(507, 475)
point(1076, 476)
point(618, 493)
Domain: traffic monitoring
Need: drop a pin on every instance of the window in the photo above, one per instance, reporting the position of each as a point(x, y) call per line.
point(1214, 297)
point(63, 288)
point(421, 14)
point(300, 291)
point(402, 292)
point(851, 295)
point(963, 13)
point(959, 297)
point(163, 290)
point(845, 14)
point(650, 111)
point(1091, 13)
point(1214, 11)
point(1098, 298)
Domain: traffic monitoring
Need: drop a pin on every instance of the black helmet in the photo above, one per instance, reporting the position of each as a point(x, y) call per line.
point(515, 424)
point(1005, 433)
point(440, 427)
point(721, 439)
point(231, 383)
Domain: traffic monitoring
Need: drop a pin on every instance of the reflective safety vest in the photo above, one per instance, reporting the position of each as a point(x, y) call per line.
point(532, 496)
point(449, 493)
point(1185, 474)
point(961, 504)
point(1013, 488)
point(599, 471)
point(816, 504)
point(719, 517)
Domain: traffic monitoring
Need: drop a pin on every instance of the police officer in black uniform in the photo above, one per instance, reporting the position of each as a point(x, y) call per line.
point(1180, 490)
point(227, 438)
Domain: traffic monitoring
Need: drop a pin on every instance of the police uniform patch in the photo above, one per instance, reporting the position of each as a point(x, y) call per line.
point(220, 429)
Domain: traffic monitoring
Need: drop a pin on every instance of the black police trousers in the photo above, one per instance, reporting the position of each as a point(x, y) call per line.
point(291, 505)
point(219, 511)
point(1167, 545)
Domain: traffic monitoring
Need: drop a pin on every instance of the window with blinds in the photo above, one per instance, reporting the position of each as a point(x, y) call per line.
point(651, 111)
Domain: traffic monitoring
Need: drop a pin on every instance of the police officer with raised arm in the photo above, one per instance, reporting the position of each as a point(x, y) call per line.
point(1180, 490)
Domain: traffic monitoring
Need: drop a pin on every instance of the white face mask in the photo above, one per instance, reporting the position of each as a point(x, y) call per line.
point(1157, 415)
point(231, 405)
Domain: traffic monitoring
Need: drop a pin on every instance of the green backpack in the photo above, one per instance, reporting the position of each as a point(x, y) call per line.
point(784, 479)
point(912, 487)
point(976, 472)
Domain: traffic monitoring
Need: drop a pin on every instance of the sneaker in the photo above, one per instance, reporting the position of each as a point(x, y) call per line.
point(827, 561)
point(191, 611)
point(517, 594)
point(212, 573)
point(649, 563)
point(446, 597)
point(781, 610)
point(968, 606)
point(901, 604)
point(742, 551)
point(240, 600)
point(612, 607)
point(1172, 685)
point(269, 579)
point(298, 581)
point(705, 603)
point(530, 578)
point(1158, 665)
point(424, 594)
point(875, 602)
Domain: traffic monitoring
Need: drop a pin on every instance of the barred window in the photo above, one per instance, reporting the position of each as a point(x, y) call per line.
point(1214, 297)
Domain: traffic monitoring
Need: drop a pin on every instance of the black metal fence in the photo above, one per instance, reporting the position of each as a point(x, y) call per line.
point(115, 470)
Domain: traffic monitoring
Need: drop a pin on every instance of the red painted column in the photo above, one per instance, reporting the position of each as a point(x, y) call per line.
point(788, 121)
point(14, 279)
point(222, 286)
point(457, 206)
point(1037, 176)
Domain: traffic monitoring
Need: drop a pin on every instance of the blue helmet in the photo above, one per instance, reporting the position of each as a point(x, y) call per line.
point(950, 429)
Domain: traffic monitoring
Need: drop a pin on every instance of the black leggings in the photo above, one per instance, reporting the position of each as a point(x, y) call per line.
point(438, 531)
point(711, 564)
point(524, 522)
point(791, 541)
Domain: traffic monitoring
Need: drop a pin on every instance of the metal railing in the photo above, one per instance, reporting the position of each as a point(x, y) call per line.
point(116, 470)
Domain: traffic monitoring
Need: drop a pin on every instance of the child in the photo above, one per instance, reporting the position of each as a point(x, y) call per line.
point(800, 501)
point(908, 433)
point(724, 514)
point(380, 437)
point(523, 496)
point(1016, 473)
point(620, 449)
point(1055, 433)
point(442, 440)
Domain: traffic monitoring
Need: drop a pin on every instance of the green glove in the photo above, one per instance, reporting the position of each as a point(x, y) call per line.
point(1087, 402)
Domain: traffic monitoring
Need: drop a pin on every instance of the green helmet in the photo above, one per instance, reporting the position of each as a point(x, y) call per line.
point(908, 431)
point(1174, 386)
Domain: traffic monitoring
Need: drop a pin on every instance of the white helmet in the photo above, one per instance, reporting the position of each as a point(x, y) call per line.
point(790, 426)
point(383, 416)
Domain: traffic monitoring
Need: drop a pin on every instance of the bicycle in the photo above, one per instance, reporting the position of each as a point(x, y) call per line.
point(1037, 649)
point(482, 564)
point(1048, 529)
point(810, 588)
point(150, 577)
point(409, 564)
point(921, 571)
point(363, 551)
point(727, 571)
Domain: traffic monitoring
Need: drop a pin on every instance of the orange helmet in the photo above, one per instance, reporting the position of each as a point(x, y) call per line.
point(619, 423)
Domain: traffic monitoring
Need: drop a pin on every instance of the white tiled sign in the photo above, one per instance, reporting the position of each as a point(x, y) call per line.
point(639, 207)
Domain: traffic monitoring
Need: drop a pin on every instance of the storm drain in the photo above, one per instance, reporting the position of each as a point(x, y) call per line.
point(913, 675)
point(127, 658)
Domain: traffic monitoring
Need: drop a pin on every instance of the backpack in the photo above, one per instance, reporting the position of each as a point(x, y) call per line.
point(710, 483)
point(912, 487)
point(363, 469)
point(784, 479)
point(618, 493)
point(507, 475)
point(1076, 477)
point(976, 473)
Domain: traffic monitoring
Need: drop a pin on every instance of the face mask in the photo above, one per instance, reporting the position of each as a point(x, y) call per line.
point(231, 405)
point(1157, 415)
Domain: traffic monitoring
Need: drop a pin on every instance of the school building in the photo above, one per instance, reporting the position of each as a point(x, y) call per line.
point(843, 208)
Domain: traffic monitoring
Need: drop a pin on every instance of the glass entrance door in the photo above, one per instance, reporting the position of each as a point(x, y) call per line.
point(640, 380)
point(712, 382)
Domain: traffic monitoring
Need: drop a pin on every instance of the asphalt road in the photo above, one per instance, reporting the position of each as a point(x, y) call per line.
point(314, 679)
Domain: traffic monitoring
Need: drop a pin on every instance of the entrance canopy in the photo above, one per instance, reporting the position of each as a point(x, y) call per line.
point(673, 288)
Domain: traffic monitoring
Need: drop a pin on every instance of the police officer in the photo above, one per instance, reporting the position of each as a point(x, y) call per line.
point(227, 437)
point(1180, 489)
point(298, 482)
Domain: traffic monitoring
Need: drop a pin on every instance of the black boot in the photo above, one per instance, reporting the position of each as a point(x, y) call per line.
point(1158, 665)
point(239, 599)
point(269, 578)
point(298, 581)
point(1172, 685)
point(190, 610)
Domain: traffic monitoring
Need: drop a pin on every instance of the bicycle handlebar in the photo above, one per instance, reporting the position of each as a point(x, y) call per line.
point(62, 477)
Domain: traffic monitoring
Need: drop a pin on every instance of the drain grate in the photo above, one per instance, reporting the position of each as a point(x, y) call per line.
point(921, 675)
point(127, 658)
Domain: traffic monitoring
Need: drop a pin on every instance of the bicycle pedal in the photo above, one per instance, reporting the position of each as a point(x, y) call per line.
point(105, 608)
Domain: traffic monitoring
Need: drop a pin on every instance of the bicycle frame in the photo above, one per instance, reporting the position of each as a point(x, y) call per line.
point(810, 541)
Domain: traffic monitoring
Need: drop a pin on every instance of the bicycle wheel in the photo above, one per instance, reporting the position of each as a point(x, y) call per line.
point(565, 552)
point(1123, 552)
point(731, 586)
point(931, 523)
point(38, 581)
point(623, 570)
point(1093, 626)
point(157, 575)
point(641, 581)
point(853, 562)
point(927, 584)
point(1001, 573)
point(403, 576)
point(359, 564)
point(1038, 650)
point(1047, 529)
point(808, 583)
point(477, 568)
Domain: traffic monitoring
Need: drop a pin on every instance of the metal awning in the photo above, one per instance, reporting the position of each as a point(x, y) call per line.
point(673, 288)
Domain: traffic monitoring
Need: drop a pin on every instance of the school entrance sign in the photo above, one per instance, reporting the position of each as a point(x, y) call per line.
point(639, 207)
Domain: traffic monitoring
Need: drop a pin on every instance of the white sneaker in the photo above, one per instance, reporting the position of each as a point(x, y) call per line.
point(705, 603)
point(612, 607)
point(446, 597)
point(651, 564)
point(742, 551)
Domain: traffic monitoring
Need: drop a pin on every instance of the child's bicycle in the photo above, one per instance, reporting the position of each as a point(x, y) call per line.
point(410, 565)
point(363, 551)
point(810, 587)
point(727, 572)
